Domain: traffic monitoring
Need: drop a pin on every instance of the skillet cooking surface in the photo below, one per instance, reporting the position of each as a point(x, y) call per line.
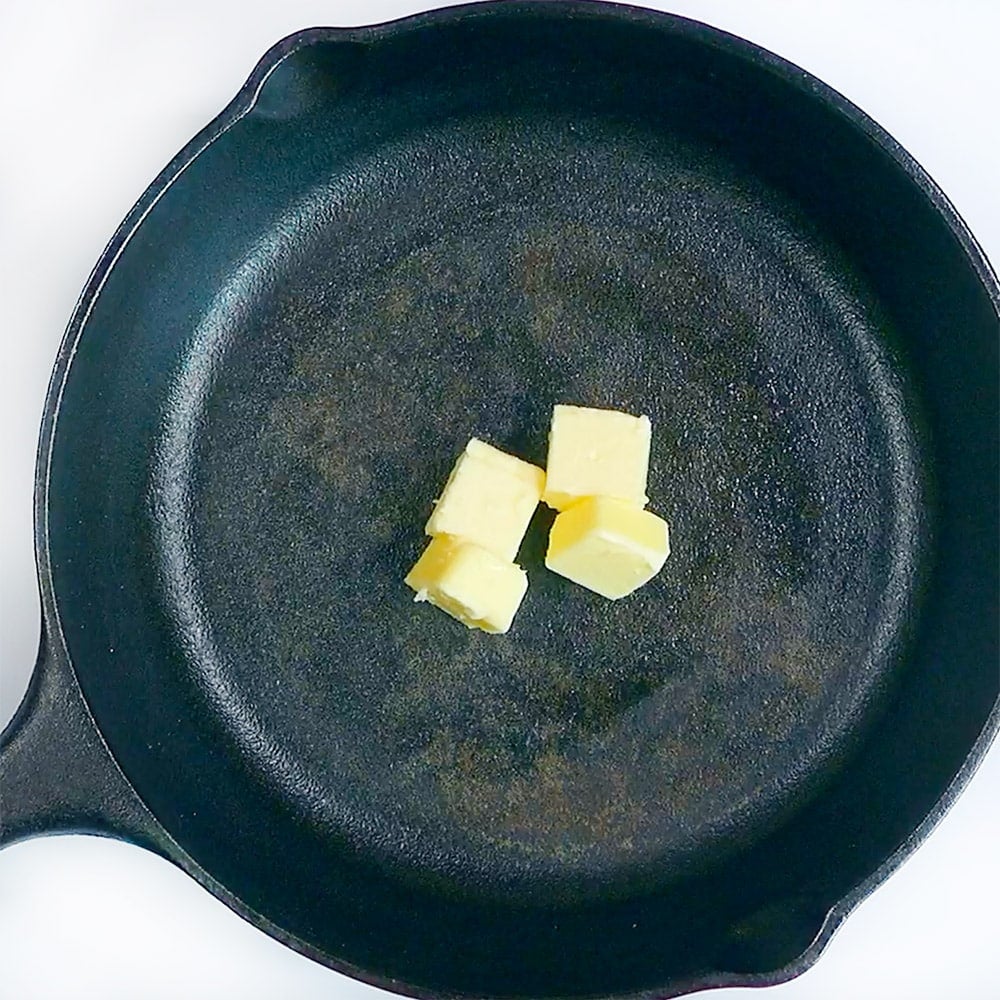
point(350, 361)
point(408, 240)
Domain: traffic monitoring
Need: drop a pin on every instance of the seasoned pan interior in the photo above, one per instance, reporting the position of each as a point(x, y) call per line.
point(339, 372)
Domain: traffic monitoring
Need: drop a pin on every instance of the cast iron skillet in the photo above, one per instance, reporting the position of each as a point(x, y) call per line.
point(400, 236)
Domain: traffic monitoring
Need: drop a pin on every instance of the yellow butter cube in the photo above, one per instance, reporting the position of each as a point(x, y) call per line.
point(469, 583)
point(488, 500)
point(608, 546)
point(596, 453)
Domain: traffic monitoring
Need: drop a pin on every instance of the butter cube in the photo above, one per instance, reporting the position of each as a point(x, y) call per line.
point(596, 453)
point(488, 500)
point(608, 546)
point(469, 582)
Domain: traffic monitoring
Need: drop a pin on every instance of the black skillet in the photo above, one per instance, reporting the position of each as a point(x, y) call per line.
point(397, 237)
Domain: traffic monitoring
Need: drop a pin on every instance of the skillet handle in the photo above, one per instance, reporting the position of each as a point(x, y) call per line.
point(56, 773)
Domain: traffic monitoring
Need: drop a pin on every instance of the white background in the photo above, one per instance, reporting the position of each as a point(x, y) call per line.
point(95, 97)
